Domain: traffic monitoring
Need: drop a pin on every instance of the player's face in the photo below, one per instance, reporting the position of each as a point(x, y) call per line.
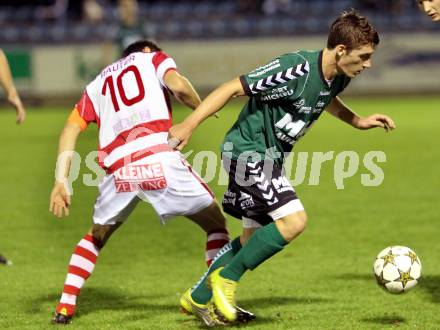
point(431, 8)
point(351, 63)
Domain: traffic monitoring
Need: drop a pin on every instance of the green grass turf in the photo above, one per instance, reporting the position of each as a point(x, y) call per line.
point(323, 280)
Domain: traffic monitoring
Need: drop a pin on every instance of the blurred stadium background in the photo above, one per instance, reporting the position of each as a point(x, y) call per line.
point(55, 47)
point(323, 280)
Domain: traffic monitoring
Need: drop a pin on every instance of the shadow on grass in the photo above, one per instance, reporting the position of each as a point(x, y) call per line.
point(385, 320)
point(355, 277)
point(94, 300)
point(431, 284)
point(428, 283)
point(262, 303)
point(193, 323)
point(265, 302)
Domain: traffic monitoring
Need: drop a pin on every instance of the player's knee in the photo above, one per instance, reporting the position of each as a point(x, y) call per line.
point(219, 217)
point(101, 233)
point(210, 218)
point(246, 235)
point(293, 225)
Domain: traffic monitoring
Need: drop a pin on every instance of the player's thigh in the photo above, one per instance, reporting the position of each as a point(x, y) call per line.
point(111, 206)
point(267, 195)
point(210, 218)
point(184, 193)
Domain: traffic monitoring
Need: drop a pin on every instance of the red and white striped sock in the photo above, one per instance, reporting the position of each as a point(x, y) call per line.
point(81, 266)
point(215, 241)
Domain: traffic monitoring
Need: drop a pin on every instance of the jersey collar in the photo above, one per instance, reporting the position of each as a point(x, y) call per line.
point(321, 73)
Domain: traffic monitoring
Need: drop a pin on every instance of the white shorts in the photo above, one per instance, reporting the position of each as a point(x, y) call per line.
point(165, 180)
point(289, 208)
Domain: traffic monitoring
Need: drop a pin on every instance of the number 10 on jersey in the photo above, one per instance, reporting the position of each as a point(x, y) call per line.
point(109, 85)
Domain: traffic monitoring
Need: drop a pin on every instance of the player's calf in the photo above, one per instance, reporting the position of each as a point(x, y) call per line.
point(81, 266)
point(213, 222)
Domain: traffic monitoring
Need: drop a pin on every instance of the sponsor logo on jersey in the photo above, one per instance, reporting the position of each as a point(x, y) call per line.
point(265, 68)
point(324, 93)
point(281, 184)
point(320, 104)
point(305, 110)
point(319, 107)
point(140, 177)
point(246, 200)
point(229, 197)
point(126, 123)
point(290, 131)
point(299, 103)
point(277, 93)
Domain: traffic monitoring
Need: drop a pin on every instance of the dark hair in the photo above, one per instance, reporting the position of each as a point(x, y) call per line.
point(139, 45)
point(351, 30)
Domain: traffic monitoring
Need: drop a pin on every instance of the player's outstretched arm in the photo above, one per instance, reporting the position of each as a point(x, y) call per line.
point(60, 196)
point(9, 88)
point(213, 103)
point(182, 89)
point(338, 109)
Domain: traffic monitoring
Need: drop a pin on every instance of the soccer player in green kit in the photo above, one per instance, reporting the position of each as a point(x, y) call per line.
point(286, 96)
point(430, 8)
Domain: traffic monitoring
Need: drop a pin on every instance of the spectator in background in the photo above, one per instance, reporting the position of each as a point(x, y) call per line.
point(272, 7)
point(250, 6)
point(431, 8)
point(92, 11)
point(388, 6)
point(129, 31)
point(13, 98)
point(55, 11)
point(129, 28)
point(89, 10)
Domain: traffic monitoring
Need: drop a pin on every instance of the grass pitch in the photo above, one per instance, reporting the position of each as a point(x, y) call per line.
point(323, 280)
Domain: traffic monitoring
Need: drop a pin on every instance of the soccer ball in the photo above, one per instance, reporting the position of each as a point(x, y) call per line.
point(397, 269)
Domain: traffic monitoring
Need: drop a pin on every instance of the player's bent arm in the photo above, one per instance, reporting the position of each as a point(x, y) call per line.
point(213, 103)
point(182, 89)
point(338, 109)
point(8, 85)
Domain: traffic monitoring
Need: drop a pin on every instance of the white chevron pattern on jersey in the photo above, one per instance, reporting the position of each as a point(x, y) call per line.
point(280, 78)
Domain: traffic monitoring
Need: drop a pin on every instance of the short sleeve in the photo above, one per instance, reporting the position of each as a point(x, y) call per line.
point(86, 109)
point(162, 64)
point(283, 69)
point(342, 84)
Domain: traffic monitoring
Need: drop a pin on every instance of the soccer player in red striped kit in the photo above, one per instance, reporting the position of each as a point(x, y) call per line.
point(129, 102)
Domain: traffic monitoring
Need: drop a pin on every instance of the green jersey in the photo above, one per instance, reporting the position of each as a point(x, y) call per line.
point(286, 96)
point(127, 35)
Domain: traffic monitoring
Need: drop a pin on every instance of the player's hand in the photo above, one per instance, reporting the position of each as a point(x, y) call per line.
point(178, 136)
point(15, 101)
point(59, 200)
point(376, 120)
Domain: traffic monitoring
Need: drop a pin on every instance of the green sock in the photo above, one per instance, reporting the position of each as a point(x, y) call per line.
point(200, 293)
point(263, 244)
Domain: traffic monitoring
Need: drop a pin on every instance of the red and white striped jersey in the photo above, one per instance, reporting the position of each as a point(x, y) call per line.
point(129, 102)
